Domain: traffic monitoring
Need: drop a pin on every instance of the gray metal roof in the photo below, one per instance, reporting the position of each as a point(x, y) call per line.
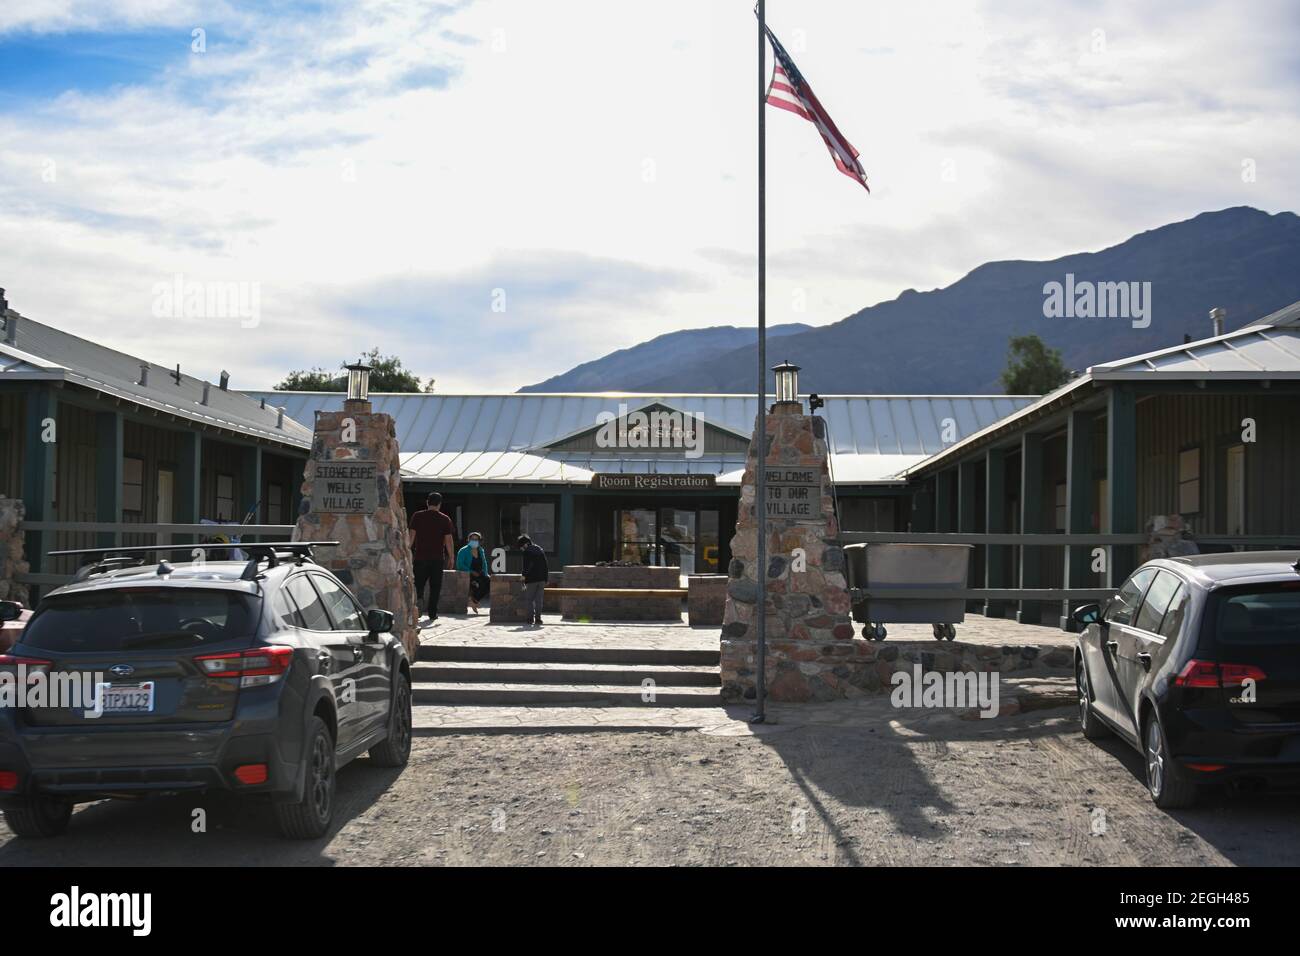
point(505, 438)
point(1267, 349)
point(43, 353)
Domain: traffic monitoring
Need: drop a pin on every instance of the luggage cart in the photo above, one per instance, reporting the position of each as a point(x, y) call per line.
point(895, 566)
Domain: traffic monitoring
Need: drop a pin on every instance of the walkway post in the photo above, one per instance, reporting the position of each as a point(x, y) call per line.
point(760, 463)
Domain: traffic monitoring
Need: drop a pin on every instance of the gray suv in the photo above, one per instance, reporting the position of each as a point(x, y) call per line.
point(260, 677)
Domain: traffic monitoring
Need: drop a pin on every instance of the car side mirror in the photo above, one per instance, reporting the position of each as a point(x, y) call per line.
point(10, 610)
point(379, 621)
point(1088, 614)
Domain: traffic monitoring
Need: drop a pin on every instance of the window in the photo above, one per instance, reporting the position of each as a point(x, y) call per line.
point(286, 611)
point(1159, 596)
point(1235, 489)
point(309, 603)
point(225, 497)
point(123, 619)
point(1189, 481)
point(1173, 622)
point(133, 485)
point(275, 504)
point(346, 614)
point(1260, 614)
point(1122, 605)
point(164, 513)
point(1060, 507)
point(533, 518)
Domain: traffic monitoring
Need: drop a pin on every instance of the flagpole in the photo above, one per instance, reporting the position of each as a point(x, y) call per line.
point(760, 453)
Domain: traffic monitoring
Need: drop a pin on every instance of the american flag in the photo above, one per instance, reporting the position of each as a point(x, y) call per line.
point(790, 91)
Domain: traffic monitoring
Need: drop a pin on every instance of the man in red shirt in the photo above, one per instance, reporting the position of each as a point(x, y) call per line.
point(432, 550)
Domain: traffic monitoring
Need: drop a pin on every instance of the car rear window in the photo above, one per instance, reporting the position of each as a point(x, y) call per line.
point(1260, 615)
point(123, 619)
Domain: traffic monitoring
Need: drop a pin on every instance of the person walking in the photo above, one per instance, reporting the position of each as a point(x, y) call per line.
point(536, 574)
point(473, 558)
point(432, 535)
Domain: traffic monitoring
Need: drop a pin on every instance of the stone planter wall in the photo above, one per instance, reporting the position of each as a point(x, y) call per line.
point(551, 600)
point(507, 600)
point(706, 598)
point(575, 608)
point(454, 597)
point(12, 562)
point(799, 671)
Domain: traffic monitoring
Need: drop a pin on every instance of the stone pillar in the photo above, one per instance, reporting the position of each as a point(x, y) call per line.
point(352, 494)
point(811, 651)
point(12, 563)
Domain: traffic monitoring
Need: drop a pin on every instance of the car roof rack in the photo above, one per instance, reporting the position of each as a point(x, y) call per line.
point(103, 559)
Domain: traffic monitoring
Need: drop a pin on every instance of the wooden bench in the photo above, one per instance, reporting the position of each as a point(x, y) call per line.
point(618, 592)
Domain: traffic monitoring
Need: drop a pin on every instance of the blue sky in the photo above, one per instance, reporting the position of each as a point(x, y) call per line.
point(499, 189)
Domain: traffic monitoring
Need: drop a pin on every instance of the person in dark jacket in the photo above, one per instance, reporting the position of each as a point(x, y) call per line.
point(536, 573)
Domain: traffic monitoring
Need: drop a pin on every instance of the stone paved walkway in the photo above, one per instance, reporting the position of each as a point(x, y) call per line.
point(471, 629)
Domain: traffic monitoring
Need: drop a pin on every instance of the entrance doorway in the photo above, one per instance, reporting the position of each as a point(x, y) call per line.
point(668, 536)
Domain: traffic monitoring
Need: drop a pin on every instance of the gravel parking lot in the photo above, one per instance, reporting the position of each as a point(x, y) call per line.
point(928, 790)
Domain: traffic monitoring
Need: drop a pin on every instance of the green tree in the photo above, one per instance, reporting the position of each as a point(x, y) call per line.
point(1033, 368)
point(386, 375)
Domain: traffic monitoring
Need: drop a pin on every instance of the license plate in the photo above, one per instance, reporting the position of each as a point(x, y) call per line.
point(126, 698)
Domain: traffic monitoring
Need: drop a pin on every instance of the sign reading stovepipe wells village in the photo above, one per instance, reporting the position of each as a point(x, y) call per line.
point(793, 493)
point(345, 488)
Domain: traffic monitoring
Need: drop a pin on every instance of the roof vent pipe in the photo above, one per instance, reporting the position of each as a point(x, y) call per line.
point(225, 380)
point(207, 387)
point(11, 328)
point(1217, 316)
point(279, 419)
point(144, 375)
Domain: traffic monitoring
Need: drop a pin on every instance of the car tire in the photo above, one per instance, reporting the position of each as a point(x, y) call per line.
point(1169, 788)
point(310, 817)
point(395, 749)
point(1089, 722)
point(38, 816)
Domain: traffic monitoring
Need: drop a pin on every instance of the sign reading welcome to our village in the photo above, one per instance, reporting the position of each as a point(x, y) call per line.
point(793, 493)
point(620, 482)
point(345, 487)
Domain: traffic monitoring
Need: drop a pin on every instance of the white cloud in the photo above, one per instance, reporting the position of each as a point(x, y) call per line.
point(381, 151)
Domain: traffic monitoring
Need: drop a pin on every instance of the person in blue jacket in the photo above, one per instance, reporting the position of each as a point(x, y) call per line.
point(473, 558)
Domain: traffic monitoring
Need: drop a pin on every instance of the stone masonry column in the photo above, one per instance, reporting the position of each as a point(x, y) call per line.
point(811, 651)
point(352, 494)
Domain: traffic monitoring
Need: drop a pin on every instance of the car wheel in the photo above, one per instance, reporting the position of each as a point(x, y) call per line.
point(1169, 789)
point(38, 816)
point(395, 749)
point(1089, 722)
point(310, 817)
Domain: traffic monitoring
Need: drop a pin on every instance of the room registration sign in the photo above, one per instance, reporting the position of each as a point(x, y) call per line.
point(345, 488)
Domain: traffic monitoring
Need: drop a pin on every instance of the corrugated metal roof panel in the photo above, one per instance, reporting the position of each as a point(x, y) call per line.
point(503, 438)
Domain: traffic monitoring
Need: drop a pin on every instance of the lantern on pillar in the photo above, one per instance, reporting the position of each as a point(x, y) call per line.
point(787, 389)
point(358, 381)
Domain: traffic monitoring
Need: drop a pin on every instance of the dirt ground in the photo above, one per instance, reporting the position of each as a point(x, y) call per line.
point(938, 791)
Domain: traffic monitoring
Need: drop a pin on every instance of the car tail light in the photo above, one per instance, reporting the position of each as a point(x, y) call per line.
point(1209, 674)
point(30, 666)
point(251, 773)
point(8, 780)
point(255, 667)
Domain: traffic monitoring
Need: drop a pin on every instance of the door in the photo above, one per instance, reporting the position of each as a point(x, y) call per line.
point(635, 535)
point(1142, 646)
point(372, 678)
point(708, 550)
point(338, 657)
point(1104, 655)
point(677, 539)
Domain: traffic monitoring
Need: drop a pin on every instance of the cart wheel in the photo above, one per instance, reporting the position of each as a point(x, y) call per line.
point(881, 633)
point(950, 631)
point(940, 631)
point(868, 631)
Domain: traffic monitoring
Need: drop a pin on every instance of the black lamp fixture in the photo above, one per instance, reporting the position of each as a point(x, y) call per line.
point(787, 387)
point(358, 381)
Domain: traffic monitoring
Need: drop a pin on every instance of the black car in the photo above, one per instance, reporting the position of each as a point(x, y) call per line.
point(1196, 663)
point(259, 677)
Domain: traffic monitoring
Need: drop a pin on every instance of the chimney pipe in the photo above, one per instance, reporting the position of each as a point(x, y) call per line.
point(1217, 316)
point(144, 375)
point(207, 387)
point(225, 380)
point(11, 328)
point(279, 419)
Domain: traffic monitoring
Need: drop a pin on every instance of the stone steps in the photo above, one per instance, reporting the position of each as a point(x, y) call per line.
point(533, 672)
point(562, 654)
point(533, 695)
